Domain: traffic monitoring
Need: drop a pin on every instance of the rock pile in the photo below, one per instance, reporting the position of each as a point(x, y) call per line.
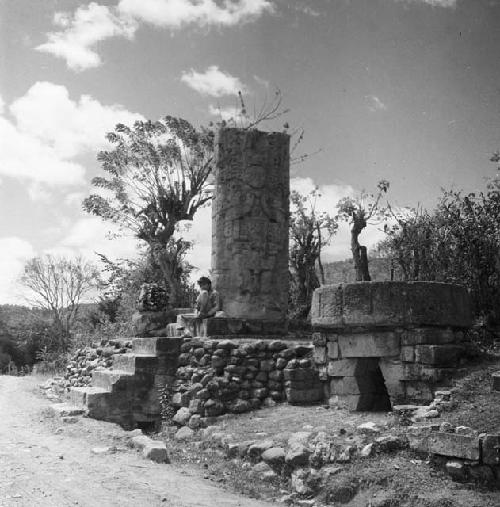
point(86, 359)
point(215, 377)
point(308, 458)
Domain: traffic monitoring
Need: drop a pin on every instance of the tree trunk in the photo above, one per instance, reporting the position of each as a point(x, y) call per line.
point(360, 257)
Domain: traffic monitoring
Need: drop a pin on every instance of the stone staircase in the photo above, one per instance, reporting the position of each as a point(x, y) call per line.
point(128, 394)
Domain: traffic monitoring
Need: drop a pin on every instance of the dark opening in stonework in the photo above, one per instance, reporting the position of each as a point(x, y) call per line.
point(373, 392)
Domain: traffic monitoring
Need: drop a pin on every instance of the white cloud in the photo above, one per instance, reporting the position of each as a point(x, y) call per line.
point(27, 158)
point(71, 127)
point(213, 82)
point(79, 32)
point(177, 13)
point(49, 129)
point(2, 105)
point(374, 104)
point(89, 235)
point(14, 252)
point(225, 113)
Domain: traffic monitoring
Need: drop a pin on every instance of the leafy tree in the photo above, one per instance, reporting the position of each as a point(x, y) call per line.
point(157, 176)
point(57, 285)
point(358, 212)
point(457, 242)
point(310, 231)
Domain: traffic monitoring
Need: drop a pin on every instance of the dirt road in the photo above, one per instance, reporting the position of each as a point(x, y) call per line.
point(44, 462)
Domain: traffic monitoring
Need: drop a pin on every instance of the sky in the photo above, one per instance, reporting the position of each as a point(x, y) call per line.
point(403, 90)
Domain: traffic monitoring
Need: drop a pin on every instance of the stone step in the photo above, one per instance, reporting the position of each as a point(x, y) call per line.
point(156, 345)
point(109, 378)
point(135, 362)
point(174, 330)
point(78, 396)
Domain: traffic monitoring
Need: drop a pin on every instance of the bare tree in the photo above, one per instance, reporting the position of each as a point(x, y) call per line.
point(58, 285)
point(358, 212)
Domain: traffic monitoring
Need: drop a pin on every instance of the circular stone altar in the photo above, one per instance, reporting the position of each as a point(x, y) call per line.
point(380, 343)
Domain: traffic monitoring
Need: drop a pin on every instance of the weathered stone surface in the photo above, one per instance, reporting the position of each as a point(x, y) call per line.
point(427, 336)
point(182, 416)
point(369, 345)
point(450, 444)
point(184, 433)
point(156, 451)
point(274, 456)
point(250, 223)
point(439, 355)
point(391, 304)
point(296, 396)
point(151, 323)
point(297, 455)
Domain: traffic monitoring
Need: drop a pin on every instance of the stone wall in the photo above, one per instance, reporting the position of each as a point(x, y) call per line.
point(216, 377)
point(250, 223)
point(87, 359)
point(378, 343)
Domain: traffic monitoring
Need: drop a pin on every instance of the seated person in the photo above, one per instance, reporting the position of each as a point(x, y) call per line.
point(208, 302)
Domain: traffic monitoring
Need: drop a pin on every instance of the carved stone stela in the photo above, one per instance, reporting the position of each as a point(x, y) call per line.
point(250, 223)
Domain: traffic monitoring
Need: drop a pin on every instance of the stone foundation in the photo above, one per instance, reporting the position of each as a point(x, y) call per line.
point(230, 376)
point(378, 343)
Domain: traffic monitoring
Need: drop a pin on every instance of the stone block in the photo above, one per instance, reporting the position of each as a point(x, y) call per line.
point(319, 355)
point(408, 354)
point(350, 367)
point(393, 372)
point(451, 445)
point(418, 391)
point(156, 451)
point(355, 385)
point(319, 339)
point(491, 449)
point(305, 396)
point(369, 345)
point(438, 355)
point(427, 336)
point(333, 350)
point(426, 373)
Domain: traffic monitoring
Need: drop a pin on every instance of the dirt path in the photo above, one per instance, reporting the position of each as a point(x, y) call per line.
point(44, 462)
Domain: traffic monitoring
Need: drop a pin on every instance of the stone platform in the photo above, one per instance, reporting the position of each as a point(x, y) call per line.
point(229, 327)
point(128, 394)
point(378, 343)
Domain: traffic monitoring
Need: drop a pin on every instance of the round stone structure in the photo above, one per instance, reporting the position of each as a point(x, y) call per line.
point(380, 343)
point(391, 304)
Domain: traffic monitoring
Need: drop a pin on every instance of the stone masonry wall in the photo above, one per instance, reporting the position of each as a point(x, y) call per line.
point(216, 377)
point(378, 343)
